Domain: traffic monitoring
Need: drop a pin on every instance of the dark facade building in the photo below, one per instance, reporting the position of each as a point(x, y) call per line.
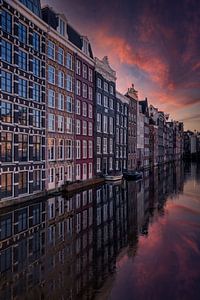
point(105, 112)
point(145, 111)
point(22, 94)
point(132, 94)
point(121, 124)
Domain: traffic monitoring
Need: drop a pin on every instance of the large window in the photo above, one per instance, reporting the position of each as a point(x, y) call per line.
point(99, 98)
point(6, 82)
point(78, 127)
point(90, 94)
point(85, 71)
point(36, 118)
point(51, 50)
point(36, 41)
point(60, 79)
point(85, 90)
point(61, 149)
point(84, 111)
point(23, 88)
point(84, 128)
point(78, 149)
point(90, 149)
point(84, 149)
point(69, 104)
point(69, 125)
point(6, 112)
point(6, 146)
point(36, 92)
point(60, 123)
point(51, 149)
point(23, 147)
point(6, 51)
point(69, 61)
point(69, 147)
point(69, 83)
point(22, 33)
point(22, 115)
point(51, 122)
point(90, 129)
point(105, 124)
point(78, 67)
point(36, 67)
point(6, 191)
point(105, 145)
point(99, 122)
point(51, 74)
point(98, 145)
point(78, 88)
point(23, 182)
point(22, 60)
point(60, 101)
point(6, 21)
point(36, 148)
point(51, 98)
point(60, 55)
point(36, 187)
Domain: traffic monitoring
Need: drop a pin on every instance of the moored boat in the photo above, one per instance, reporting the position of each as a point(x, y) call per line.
point(113, 177)
point(132, 175)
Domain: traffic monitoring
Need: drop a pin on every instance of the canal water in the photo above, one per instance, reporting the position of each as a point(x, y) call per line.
point(123, 240)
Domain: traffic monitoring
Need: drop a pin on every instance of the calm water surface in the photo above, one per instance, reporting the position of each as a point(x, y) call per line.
point(129, 240)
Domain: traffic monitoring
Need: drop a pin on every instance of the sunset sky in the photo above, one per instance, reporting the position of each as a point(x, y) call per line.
point(154, 44)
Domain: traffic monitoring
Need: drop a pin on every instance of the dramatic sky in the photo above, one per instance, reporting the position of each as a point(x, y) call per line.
point(154, 44)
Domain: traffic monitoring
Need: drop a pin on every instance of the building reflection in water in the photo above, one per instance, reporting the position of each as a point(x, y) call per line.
point(66, 247)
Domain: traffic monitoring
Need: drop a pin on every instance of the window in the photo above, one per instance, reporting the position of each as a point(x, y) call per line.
point(51, 122)
point(84, 149)
point(6, 51)
point(84, 128)
point(90, 131)
point(6, 191)
point(22, 189)
point(85, 71)
point(106, 86)
point(60, 124)
point(111, 103)
point(90, 149)
point(60, 79)
point(78, 172)
point(51, 50)
point(36, 187)
point(78, 149)
point(6, 81)
point(36, 118)
point(98, 145)
point(69, 147)
point(85, 90)
point(69, 61)
point(105, 124)
point(90, 93)
point(6, 21)
point(36, 92)
point(90, 111)
point(98, 164)
point(36, 67)
point(110, 163)
point(61, 27)
point(22, 115)
point(99, 83)
point(69, 125)
point(85, 46)
point(111, 125)
point(22, 88)
point(6, 146)
point(51, 149)
point(6, 112)
point(90, 75)
point(111, 146)
point(36, 41)
point(36, 148)
point(78, 107)
point(51, 175)
point(60, 101)
point(90, 170)
point(84, 109)
point(78, 127)
point(51, 74)
point(105, 146)
point(22, 33)
point(98, 122)
point(6, 221)
point(111, 90)
point(60, 55)
point(85, 172)
point(61, 149)
point(105, 98)
point(69, 104)
point(78, 88)
point(22, 147)
point(99, 98)
point(51, 98)
point(69, 83)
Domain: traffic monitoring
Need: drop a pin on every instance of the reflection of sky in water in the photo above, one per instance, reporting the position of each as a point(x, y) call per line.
point(167, 263)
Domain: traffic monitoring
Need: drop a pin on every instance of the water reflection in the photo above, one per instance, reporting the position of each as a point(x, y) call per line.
point(68, 247)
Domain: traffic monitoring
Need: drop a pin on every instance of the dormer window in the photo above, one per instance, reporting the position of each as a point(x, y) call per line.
point(61, 27)
point(85, 47)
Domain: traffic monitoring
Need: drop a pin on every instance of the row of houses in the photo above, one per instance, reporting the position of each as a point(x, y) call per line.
point(61, 116)
point(191, 144)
